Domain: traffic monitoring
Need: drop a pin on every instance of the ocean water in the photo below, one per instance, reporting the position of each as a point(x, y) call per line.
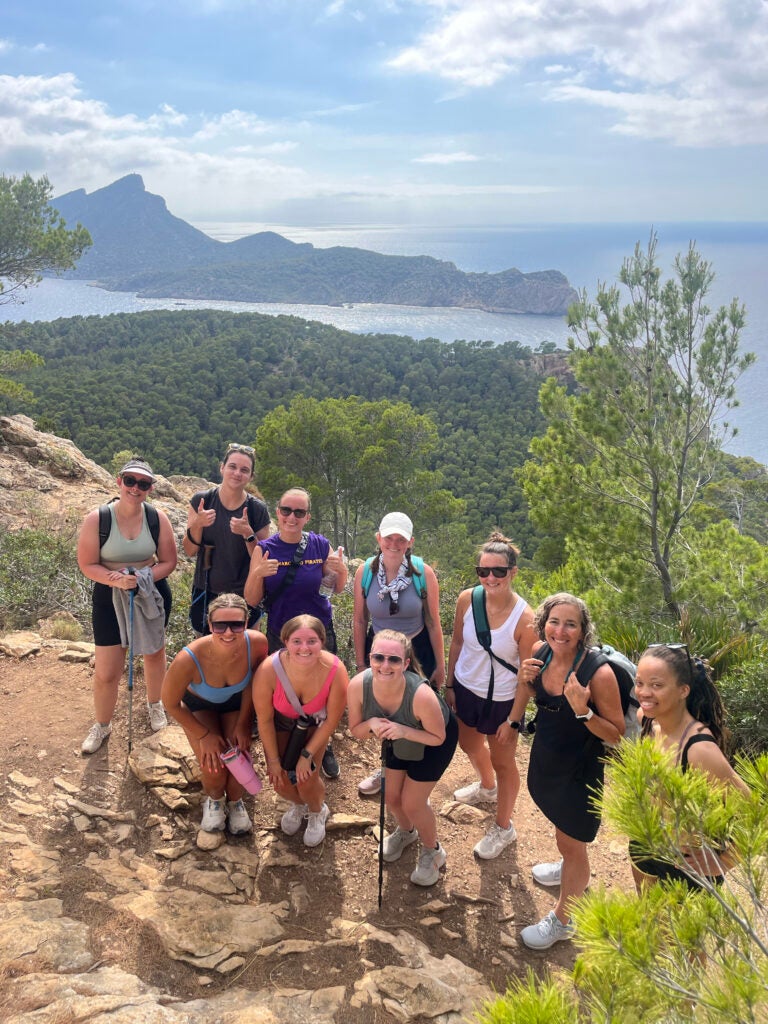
point(586, 254)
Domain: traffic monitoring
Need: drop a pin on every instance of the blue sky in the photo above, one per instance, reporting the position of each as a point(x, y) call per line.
point(396, 112)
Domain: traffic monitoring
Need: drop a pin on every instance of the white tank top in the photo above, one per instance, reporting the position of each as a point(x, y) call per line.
point(473, 667)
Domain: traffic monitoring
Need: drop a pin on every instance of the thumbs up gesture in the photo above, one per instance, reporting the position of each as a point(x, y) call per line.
point(261, 564)
point(202, 517)
point(241, 524)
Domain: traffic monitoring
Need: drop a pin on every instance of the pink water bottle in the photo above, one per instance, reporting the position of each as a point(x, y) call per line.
point(240, 764)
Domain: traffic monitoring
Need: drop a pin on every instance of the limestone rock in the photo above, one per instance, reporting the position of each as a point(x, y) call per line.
point(21, 644)
point(210, 840)
point(25, 781)
point(463, 814)
point(38, 929)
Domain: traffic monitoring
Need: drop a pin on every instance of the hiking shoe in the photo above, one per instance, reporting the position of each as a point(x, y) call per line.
point(214, 816)
point(495, 840)
point(96, 736)
point(314, 833)
point(157, 717)
point(548, 874)
point(238, 821)
point(396, 842)
point(330, 765)
point(371, 785)
point(293, 819)
point(475, 794)
point(547, 932)
point(428, 869)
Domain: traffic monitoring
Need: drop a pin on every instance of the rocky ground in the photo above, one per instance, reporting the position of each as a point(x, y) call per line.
point(112, 912)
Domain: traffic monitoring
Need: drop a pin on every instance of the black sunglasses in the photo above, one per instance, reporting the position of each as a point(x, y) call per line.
point(222, 625)
point(498, 571)
point(392, 659)
point(134, 481)
point(286, 510)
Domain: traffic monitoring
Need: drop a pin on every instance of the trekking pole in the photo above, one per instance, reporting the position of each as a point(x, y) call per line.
point(381, 815)
point(131, 594)
point(207, 558)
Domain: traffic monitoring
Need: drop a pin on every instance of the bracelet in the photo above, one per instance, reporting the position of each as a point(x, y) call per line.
point(450, 687)
point(201, 738)
point(192, 540)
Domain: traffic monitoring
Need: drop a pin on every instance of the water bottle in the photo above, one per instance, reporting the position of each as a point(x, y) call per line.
point(240, 764)
point(328, 582)
point(296, 743)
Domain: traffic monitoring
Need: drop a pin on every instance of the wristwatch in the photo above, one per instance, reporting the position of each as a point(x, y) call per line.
point(585, 718)
point(513, 725)
point(249, 540)
point(306, 753)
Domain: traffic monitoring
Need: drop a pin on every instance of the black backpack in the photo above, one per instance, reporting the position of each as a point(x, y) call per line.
point(622, 668)
point(105, 522)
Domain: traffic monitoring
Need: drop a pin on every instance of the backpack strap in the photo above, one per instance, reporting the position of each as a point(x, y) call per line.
point(367, 579)
point(483, 630)
point(290, 693)
point(418, 577)
point(290, 575)
point(151, 515)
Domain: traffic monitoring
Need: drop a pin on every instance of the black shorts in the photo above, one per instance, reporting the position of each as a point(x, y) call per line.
point(473, 711)
point(195, 703)
point(106, 631)
point(435, 760)
point(663, 870)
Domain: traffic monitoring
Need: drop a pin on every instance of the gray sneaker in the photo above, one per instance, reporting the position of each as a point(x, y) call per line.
point(548, 873)
point(495, 840)
point(428, 869)
point(157, 716)
point(237, 818)
point(396, 842)
point(96, 736)
point(547, 932)
point(293, 819)
point(214, 816)
point(314, 833)
point(474, 794)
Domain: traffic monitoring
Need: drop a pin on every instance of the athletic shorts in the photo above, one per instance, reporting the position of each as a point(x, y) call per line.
point(663, 870)
point(106, 631)
point(435, 760)
point(195, 703)
point(473, 711)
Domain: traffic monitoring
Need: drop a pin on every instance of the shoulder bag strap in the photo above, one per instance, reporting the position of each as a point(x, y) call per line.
point(290, 576)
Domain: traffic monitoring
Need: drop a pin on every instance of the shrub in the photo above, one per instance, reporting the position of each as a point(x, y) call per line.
point(40, 577)
point(745, 694)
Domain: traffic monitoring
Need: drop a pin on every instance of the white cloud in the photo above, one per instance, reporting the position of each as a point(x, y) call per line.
point(707, 60)
point(446, 158)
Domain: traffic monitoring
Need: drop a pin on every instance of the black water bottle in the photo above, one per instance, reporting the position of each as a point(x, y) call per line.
point(296, 743)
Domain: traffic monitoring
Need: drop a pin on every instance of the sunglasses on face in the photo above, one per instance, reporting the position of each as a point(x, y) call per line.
point(498, 571)
point(134, 481)
point(286, 510)
point(391, 659)
point(222, 625)
point(245, 448)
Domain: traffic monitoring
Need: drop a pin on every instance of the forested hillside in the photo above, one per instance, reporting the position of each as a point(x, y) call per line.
point(178, 386)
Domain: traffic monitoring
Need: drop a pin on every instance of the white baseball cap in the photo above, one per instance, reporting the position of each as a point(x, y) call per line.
point(396, 522)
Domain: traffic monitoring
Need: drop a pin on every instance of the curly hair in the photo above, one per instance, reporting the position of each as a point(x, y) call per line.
point(542, 613)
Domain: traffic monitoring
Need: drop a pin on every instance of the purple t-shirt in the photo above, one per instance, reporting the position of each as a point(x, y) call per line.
point(302, 597)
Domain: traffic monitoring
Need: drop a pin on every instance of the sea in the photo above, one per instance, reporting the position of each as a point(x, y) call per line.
point(586, 253)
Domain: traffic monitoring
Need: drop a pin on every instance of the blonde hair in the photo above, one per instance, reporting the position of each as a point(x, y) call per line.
point(302, 622)
point(228, 601)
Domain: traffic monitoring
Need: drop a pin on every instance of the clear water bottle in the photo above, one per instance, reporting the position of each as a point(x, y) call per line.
point(328, 582)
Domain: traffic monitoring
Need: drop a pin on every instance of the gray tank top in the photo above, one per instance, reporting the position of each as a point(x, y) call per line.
point(118, 548)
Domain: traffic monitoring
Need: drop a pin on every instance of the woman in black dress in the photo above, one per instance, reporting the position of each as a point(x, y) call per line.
point(566, 764)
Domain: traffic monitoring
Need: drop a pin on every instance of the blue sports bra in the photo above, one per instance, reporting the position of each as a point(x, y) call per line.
point(219, 694)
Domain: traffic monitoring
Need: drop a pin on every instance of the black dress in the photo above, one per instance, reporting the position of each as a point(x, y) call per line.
point(566, 766)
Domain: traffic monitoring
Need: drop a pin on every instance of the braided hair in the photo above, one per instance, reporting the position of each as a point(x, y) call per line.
point(703, 701)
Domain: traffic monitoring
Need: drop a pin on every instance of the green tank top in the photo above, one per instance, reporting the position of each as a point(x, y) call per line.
point(118, 548)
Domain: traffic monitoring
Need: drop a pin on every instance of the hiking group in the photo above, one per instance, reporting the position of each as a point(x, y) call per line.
point(288, 686)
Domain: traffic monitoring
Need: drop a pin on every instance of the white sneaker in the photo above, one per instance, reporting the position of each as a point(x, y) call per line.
point(547, 932)
point(396, 842)
point(428, 870)
point(96, 736)
point(371, 785)
point(548, 874)
point(293, 819)
point(475, 794)
point(238, 821)
point(157, 717)
point(214, 816)
point(314, 833)
point(495, 840)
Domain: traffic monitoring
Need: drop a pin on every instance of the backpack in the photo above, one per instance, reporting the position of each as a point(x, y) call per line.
point(418, 577)
point(105, 522)
point(624, 671)
point(483, 630)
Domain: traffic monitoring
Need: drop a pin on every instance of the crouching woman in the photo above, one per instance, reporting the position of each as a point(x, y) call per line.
point(400, 708)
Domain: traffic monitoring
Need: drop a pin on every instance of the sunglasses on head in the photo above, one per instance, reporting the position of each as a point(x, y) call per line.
point(286, 510)
point(677, 647)
point(392, 659)
point(134, 481)
point(246, 448)
point(222, 625)
point(498, 571)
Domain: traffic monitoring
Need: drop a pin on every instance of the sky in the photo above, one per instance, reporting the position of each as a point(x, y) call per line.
point(396, 112)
